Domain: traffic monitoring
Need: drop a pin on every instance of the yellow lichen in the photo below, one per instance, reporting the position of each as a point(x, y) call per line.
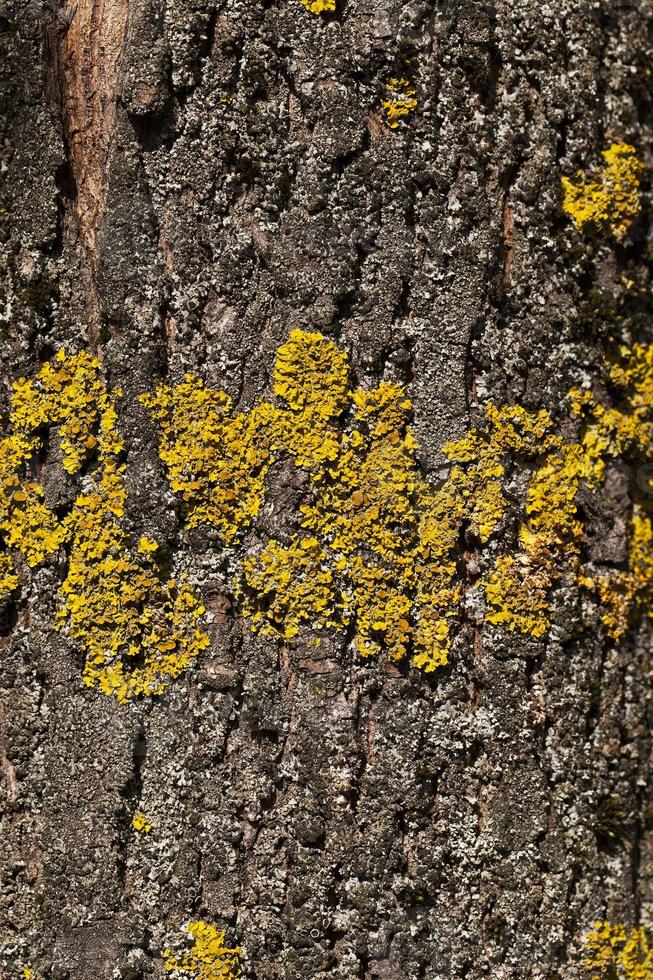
point(613, 950)
point(137, 629)
point(310, 374)
point(69, 395)
point(216, 461)
point(141, 823)
point(551, 535)
point(378, 546)
point(358, 558)
point(399, 101)
point(610, 201)
point(8, 577)
point(483, 453)
point(319, 6)
point(30, 527)
point(364, 550)
point(623, 431)
point(517, 591)
point(208, 959)
point(625, 592)
point(292, 587)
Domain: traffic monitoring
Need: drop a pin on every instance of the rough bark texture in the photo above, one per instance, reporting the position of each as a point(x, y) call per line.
point(183, 182)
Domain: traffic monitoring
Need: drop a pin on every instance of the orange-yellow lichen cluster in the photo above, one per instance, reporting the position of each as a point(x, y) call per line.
point(137, 629)
point(141, 823)
point(374, 534)
point(624, 431)
point(551, 533)
point(66, 394)
point(379, 545)
point(624, 592)
point(614, 951)
point(399, 102)
point(319, 6)
point(216, 461)
point(378, 549)
point(208, 959)
point(610, 201)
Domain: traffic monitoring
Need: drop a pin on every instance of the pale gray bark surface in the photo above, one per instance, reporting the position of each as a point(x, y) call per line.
point(184, 182)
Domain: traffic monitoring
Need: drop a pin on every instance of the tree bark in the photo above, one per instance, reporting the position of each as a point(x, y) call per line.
point(183, 184)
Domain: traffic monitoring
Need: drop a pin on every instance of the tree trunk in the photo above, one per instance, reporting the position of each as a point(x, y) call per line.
point(184, 184)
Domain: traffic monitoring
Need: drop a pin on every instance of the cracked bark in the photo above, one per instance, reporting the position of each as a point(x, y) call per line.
point(185, 182)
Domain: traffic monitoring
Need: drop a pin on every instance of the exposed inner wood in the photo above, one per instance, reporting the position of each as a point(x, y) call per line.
point(90, 50)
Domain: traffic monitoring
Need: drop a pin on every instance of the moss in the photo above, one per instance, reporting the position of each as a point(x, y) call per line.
point(399, 101)
point(208, 959)
point(608, 202)
point(613, 951)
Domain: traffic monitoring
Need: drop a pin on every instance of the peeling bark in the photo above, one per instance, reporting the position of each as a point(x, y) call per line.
point(91, 45)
